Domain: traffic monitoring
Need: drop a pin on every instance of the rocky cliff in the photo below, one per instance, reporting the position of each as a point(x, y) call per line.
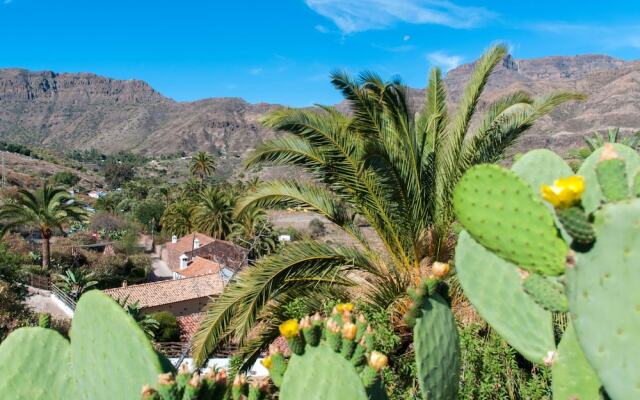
point(82, 111)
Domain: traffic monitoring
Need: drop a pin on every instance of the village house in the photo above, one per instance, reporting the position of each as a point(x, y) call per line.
point(196, 253)
point(180, 297)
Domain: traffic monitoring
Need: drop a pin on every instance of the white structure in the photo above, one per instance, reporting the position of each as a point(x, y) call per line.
point(184, 261)
point(284, 238)
point(174, 239)
point(196, 243)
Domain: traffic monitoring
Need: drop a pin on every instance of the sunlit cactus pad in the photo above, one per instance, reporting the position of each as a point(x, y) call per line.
point(502, 213)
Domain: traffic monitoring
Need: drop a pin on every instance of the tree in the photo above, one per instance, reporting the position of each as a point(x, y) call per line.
point(252, 230)
point(382, 162)
point(213, 213)
point(149, 213)
point(46, 209)
point(177, 218)
point(118, 172)
point(76, 283)
point(202, 165)
point(65, 178)
point(168, 329)
point(146, 322)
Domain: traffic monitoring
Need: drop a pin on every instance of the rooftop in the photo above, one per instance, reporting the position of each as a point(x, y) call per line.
point(189, 325)
point(185, 243)
point(170, 291)
point(200, 266)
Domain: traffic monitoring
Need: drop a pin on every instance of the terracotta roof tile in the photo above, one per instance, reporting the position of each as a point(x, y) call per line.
point(189, 324)
point(200, 266)
point(185, 243)
point(169, 291)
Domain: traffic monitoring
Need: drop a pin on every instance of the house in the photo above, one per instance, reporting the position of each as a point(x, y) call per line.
point(196, 267)
point(96, 194)
point(180, 252)
point(180, 296)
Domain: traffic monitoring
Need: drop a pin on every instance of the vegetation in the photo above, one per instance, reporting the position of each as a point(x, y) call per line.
point(395, 169)
point(47, 209)
point(202, 165)
point(76, 283)
point(168, 329)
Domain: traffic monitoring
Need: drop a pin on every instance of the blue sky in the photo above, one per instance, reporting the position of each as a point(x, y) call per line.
point(281, 51)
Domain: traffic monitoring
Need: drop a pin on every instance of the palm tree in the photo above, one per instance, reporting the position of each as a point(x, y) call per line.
point(252, 230)
point(213, 213)
point(177, 218)
point(202, 165)
point(146, 322)
point(383, 163)
point(47, 209)
point(76, 283)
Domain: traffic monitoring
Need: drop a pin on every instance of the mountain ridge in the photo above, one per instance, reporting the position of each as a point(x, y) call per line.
point(83, 110)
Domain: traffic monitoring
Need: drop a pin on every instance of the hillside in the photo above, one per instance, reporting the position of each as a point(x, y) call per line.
point(82, 111)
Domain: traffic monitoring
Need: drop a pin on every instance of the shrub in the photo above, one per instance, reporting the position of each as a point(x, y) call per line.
point(64, 178)
point(106, 222)
point(168, 329)
point(316, 228)
point(149, 212)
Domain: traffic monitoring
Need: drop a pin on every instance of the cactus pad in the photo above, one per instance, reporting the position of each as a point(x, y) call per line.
point(111, 356)
point(573, 377)
point(321, 373)
point(592, 196)
point(635, 188)
point(576, 223)
point(494, 288)
point(503, 214)
point(547, 292)
point(541, 167)
point(612, 177)
point(34, 364)
point(437, 349)
point(605, 301)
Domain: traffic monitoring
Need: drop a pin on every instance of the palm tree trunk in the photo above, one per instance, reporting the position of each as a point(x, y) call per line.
point(46, 248)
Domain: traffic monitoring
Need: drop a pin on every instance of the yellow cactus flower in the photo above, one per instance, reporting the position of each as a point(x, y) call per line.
point(349, 331)
point(377, 360)
point(342, 307)
point(266, 362)
point(564, 192)
point(289, 328)
point(440, 269)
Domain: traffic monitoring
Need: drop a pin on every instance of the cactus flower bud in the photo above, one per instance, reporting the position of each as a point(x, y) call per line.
point(316, 317)
point(440, 270)
point(564, 192)
point(266, 362)
point(349, 331)
point(239, 380)
point(221, 376)
point(166, 379)
point(289, 329)
point(333, 326)
point(184, 369)
point(195, 380)
point(305, 323)
point(608, 153)
point(147, 392)
point(377, 360)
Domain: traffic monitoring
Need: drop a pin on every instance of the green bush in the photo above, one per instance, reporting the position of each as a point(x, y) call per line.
point(168, 329)
point(149, 212)
point(65, 178)
point(491, 369)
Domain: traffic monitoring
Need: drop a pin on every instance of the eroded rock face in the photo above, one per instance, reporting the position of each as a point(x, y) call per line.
point(82, 111)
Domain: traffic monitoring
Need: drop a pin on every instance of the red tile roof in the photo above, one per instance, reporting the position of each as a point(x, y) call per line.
point(189, 325)
point(170, 291)
point(200, 266)
point(185, 243)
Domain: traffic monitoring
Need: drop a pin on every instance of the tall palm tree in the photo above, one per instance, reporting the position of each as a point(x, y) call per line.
point(382, 162)
point(202, 165)
point(253, 231)
point(177, 218)
point(213, 213)
point(47, 209)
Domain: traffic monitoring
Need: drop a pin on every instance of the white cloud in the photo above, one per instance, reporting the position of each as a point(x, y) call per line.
point(321, 29)
point(443, 60)
point(608, 36)
point(256, 71)
point(406, 38)
point(7, 2)
point(362, 15)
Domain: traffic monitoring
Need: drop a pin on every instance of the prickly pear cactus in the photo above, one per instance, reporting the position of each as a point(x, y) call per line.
point(605, 300)
point(593, 196)
point(573, 377)
point(34, 365)
point(493, 286)
point(437, 348)
point(111, 356)
point(547, 292)
point(612, 178)
point(342, 365)
point(490, 201)
point(541, 167)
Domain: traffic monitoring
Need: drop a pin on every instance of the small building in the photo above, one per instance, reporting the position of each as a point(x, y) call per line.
point(181, 252)
point(180, 296)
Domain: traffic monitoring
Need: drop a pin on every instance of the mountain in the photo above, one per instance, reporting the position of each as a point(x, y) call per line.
point(82, 111)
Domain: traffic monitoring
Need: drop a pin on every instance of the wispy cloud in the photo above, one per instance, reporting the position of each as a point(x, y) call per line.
point(403, 48)
point(443, 60)
point(362, 15)
point(321, 29)
point(256, 71)
point(5, 2)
